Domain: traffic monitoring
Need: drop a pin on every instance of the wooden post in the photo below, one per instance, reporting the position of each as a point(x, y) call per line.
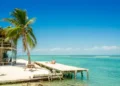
point(82, 74)
point(87, 74)
point(75, 74)
point(62, 74)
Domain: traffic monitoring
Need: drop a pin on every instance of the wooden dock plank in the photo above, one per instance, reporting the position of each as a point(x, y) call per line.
point(62, 68)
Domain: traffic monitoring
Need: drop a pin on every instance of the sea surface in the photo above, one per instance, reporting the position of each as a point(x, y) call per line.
point(103, 70)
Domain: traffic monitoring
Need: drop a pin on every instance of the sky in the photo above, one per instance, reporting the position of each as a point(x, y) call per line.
point(70, 27)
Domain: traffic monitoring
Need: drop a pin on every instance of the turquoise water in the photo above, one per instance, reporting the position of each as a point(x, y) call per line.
point(103, 70)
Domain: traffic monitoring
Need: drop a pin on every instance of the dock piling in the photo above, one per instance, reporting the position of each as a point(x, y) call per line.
point(64, 68)
point(87, 74)
point(75, 73)
point(81, 73)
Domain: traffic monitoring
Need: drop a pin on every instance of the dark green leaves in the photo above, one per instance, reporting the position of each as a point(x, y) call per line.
point(21, 28)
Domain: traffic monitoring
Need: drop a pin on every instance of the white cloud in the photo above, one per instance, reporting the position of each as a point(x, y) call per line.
point(110, 47)
point(55, 49)
point(77, 48)
point(103, 48)
point(92, 48)
point(69, 50)
point(39, 50)
point(95, 48)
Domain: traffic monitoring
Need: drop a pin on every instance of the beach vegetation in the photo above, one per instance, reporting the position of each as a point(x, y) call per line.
point(21, 28)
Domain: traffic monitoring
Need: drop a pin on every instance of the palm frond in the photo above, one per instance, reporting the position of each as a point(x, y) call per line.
point(7, 39)
point(30, 41)
point(12, 32)
point(30, 31)
point(20, 15)
point(30, 21)
point(12, 21)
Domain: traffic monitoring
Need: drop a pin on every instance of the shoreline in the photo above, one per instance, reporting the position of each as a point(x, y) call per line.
point(43, 71)
point(17, 73)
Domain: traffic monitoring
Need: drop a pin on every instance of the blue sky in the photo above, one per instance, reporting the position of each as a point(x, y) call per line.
point(71, 26)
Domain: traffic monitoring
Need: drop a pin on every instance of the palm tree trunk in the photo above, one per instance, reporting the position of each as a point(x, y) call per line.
point(28, 52)
point(15, 52)
point(15, 55)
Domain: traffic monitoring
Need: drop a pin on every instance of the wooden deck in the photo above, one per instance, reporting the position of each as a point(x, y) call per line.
point(64, 68)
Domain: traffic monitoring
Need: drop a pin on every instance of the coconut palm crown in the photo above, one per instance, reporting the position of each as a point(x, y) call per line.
point(21, 28)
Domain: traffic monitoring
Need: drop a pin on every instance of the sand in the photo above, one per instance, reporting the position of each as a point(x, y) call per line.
point(17, 72)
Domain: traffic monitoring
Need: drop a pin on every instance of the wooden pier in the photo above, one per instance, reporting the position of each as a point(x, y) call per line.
point(64, 68)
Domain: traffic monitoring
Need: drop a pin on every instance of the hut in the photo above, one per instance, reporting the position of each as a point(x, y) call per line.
point(7, 50)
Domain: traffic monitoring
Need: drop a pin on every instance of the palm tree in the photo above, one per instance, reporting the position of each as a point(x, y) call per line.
point(21, 28)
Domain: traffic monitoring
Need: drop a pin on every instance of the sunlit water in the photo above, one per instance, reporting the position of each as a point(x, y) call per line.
point(103, 70)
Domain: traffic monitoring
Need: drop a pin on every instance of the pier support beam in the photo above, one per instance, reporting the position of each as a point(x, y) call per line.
point(87, 74)
point(75, 73)
point(82, 74)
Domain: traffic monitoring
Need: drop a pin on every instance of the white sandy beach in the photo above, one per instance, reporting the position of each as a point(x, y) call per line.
point(17, 71)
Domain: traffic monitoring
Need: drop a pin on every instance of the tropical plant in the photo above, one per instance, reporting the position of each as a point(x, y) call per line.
point(1, 31)
point(21, 28)
point(12, 40)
